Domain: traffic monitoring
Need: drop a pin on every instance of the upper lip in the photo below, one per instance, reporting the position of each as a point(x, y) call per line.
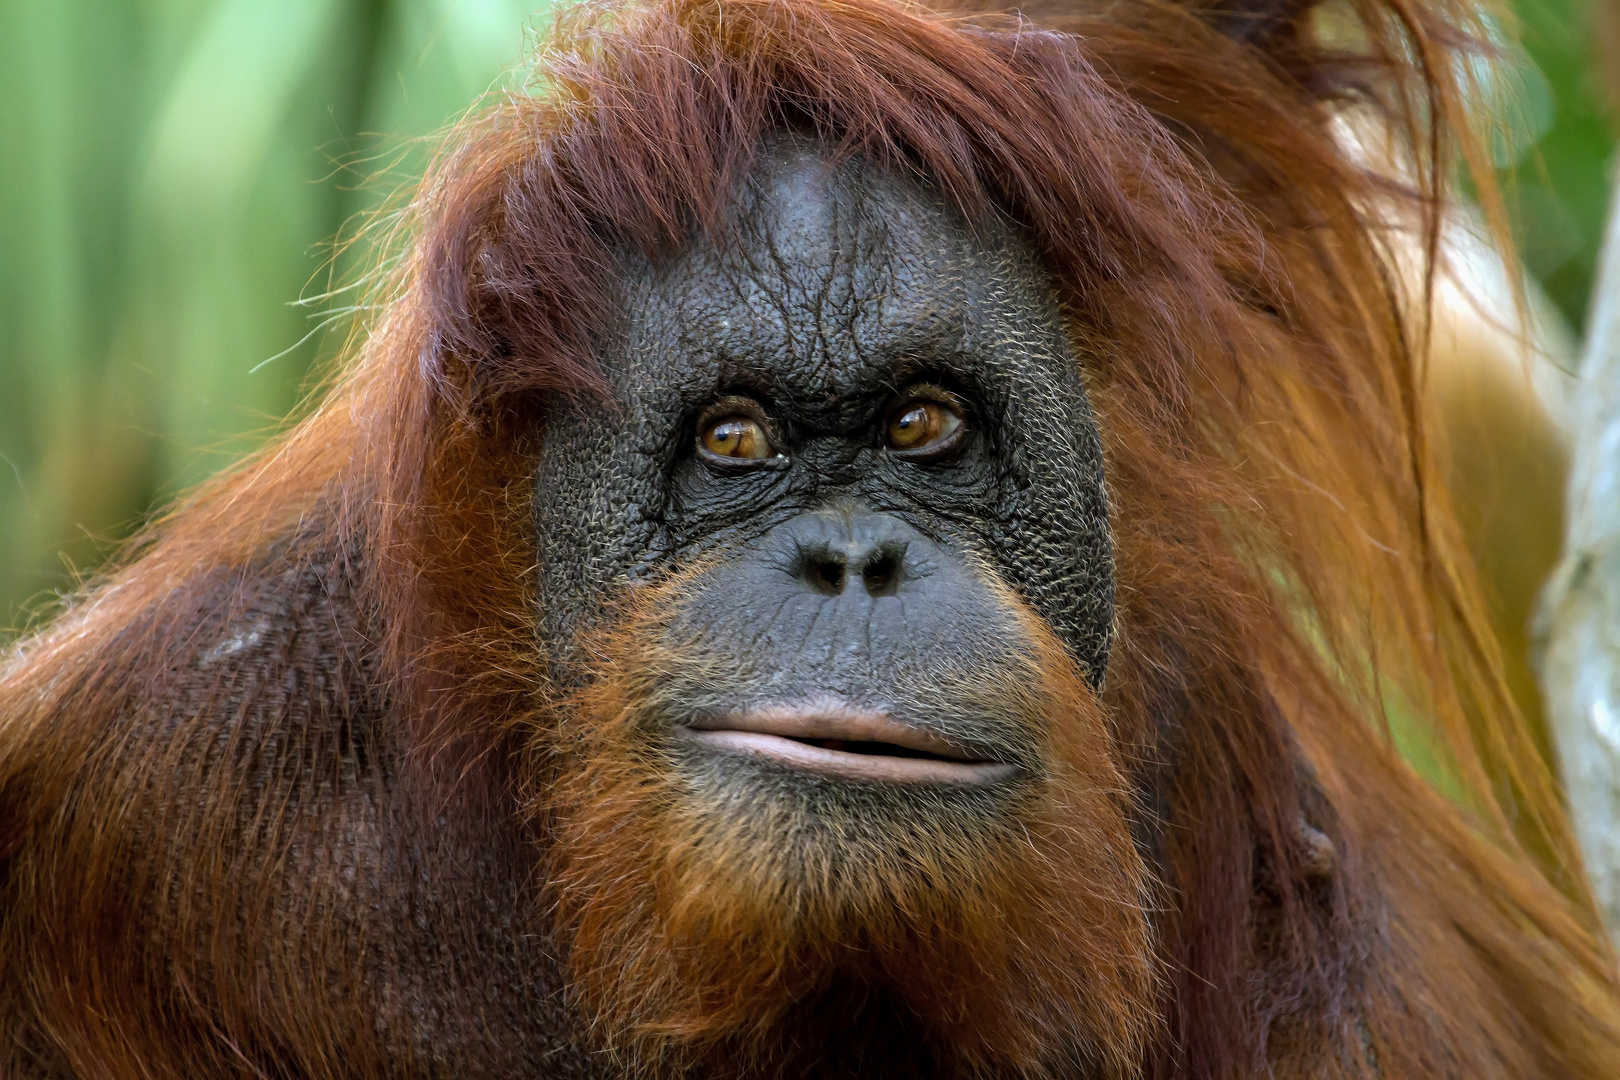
point(838, 739)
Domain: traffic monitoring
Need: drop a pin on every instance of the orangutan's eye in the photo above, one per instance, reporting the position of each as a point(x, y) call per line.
point(733, 431)
point(924, 422)
point(736, 437)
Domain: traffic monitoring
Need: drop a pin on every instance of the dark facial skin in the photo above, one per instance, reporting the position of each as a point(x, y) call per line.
point(858, 415)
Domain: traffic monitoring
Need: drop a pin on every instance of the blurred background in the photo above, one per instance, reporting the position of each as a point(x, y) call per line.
point(175, 176)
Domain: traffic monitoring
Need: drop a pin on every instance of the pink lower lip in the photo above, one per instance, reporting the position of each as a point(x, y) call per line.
point(774, 732)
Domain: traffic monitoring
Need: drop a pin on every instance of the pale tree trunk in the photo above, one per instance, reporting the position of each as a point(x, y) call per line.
point(1580, 617)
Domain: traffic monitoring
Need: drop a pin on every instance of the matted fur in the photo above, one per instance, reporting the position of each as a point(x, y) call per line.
point(1286, 570)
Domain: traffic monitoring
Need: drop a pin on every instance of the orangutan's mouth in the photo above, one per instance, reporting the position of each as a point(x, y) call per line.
point(847, 742)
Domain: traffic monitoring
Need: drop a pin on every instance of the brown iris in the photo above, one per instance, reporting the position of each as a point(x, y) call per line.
point(923, 424)
point(738, 437)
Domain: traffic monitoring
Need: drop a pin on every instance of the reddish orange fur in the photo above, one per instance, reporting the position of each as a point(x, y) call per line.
point(689, 942)
point(1286, 569)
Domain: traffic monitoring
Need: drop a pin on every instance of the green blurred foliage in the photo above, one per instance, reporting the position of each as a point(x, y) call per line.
point(173, 174)
point(1557, 187)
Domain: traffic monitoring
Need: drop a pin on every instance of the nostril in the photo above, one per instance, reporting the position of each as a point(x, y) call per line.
point(881, 574)
point(825, 574)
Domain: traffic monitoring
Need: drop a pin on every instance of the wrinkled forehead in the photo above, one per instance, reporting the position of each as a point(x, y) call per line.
point(836, 275)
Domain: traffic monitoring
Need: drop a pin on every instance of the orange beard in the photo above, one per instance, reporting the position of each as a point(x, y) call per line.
point(755, 921)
